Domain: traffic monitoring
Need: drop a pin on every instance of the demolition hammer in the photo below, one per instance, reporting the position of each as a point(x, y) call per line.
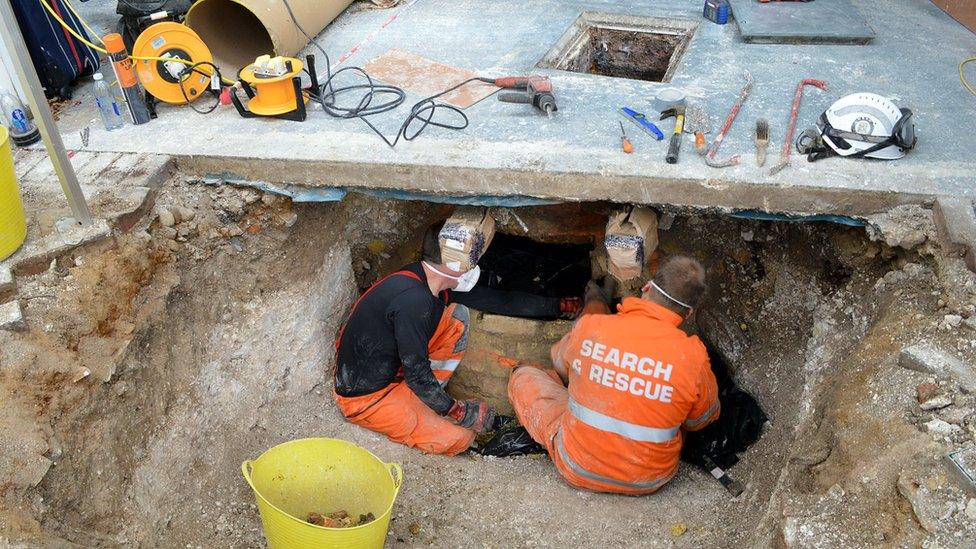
point(535, 90)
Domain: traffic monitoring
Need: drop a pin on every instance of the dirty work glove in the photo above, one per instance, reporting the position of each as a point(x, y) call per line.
point(570, 307)
point(472, 414)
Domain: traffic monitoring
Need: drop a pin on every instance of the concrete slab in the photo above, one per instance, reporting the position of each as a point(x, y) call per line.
point(820, 22)
point(955, 219)
point(35, 255)
point(510, 150)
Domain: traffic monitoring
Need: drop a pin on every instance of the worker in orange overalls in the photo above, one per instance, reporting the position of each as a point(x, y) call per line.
point(402, 342)
point(635, 383)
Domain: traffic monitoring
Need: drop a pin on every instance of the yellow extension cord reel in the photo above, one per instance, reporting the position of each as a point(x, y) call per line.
point(274, 88)
point(168, 81)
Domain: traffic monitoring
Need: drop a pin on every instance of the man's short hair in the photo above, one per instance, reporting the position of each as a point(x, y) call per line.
point(683, 278)
point(432, 244)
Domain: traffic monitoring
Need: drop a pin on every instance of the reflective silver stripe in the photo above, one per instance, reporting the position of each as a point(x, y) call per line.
point(444, 366)
point(625, 429)
point(448, 365)
point(695, 422)
point(576, 468)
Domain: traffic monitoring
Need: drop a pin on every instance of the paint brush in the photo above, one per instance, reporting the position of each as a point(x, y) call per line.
point(762, 140)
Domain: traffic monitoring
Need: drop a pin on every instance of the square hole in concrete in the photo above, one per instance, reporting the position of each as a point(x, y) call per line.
point(622, 46)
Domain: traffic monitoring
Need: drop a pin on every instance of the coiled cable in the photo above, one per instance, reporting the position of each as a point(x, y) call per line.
point(379, 98)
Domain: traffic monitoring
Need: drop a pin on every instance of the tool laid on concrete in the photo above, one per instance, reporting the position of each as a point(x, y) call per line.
point(717, 11)
point(173, 81)
point(762, 140)
point(667, 98)
point(642, 122)
point(274, 88)
point(736, 107)
point(625, 143)
point(534, 90)
point(860, 125)
point(810, 143)
point(791, 127)
point(696, 123)
point(678, 113)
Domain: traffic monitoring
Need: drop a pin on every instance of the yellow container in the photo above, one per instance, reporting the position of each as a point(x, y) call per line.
point(13, 223)
point(322, 475)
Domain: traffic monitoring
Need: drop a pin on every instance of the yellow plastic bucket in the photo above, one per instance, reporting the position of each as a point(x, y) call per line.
point(322, 475)
point(13, 223)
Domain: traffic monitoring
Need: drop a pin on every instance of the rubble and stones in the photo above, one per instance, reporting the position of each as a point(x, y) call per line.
point(215, 342)
point(11, 317)
point(933, 360)
point(8, 286)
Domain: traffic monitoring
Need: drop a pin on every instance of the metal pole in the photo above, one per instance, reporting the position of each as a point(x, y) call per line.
point(42, 114)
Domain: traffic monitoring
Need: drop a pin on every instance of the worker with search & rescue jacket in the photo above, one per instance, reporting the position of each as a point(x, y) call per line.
point(635, 380)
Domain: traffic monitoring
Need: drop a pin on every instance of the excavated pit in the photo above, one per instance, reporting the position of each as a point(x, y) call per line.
point(206, 352)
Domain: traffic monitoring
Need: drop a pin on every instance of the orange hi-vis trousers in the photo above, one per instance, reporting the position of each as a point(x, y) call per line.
point(611, 436)
point(398, 413)
point(540, 399)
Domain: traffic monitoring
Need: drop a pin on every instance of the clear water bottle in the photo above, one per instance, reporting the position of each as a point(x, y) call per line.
point(22, 129)
point(107, 105)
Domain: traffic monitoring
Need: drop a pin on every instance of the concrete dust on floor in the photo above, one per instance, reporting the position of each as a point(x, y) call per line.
point(150, 369)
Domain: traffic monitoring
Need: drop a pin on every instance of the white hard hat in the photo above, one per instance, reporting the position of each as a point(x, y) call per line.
point(867, 125)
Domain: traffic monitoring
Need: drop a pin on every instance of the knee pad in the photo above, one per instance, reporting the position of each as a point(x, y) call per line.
point(462, 313)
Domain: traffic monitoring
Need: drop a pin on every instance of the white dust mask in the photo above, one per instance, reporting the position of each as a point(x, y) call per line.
point(466, 281)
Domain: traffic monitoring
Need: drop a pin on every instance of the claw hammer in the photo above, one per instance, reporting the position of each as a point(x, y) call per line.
point(678, 113)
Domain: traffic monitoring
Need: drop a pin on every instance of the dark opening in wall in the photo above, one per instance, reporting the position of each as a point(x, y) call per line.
point(522, 264)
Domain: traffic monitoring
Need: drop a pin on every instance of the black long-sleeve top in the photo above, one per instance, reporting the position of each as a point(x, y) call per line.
point(393, 322)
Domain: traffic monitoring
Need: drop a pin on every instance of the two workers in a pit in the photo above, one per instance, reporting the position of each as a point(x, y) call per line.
point(612, 409)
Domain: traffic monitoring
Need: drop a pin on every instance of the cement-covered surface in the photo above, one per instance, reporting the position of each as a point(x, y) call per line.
point(511, 150)
point(824, 21)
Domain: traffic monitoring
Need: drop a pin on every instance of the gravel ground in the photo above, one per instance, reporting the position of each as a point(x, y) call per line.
point(207, 339)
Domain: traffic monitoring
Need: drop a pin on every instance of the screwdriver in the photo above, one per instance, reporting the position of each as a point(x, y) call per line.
point(624, 142)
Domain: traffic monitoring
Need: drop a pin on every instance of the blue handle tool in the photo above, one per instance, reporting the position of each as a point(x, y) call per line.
point(642, 122)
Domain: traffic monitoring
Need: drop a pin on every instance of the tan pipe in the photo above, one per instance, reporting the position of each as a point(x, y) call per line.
point(237, 31)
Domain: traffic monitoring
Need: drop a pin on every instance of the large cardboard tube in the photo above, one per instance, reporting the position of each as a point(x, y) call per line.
point(237, 31)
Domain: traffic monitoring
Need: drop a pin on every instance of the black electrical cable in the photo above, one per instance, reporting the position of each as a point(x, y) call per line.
point(423, 110)
point(193, 69)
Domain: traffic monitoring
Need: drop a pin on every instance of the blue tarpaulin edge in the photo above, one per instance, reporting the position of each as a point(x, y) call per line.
point(299, 193)
point(765, 216)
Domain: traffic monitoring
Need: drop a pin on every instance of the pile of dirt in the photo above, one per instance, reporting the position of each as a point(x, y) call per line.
point(339, 519)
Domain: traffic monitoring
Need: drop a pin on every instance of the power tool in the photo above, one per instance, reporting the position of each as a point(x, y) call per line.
point(535, 90)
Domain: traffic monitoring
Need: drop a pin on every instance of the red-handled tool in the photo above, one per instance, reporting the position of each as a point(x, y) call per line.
point(535, 90)
point(736, 107)
point(784, 160)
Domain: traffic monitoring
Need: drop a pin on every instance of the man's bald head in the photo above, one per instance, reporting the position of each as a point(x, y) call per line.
point(682, 278)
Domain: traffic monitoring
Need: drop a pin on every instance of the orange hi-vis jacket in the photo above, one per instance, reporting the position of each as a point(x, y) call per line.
point(635, 382)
